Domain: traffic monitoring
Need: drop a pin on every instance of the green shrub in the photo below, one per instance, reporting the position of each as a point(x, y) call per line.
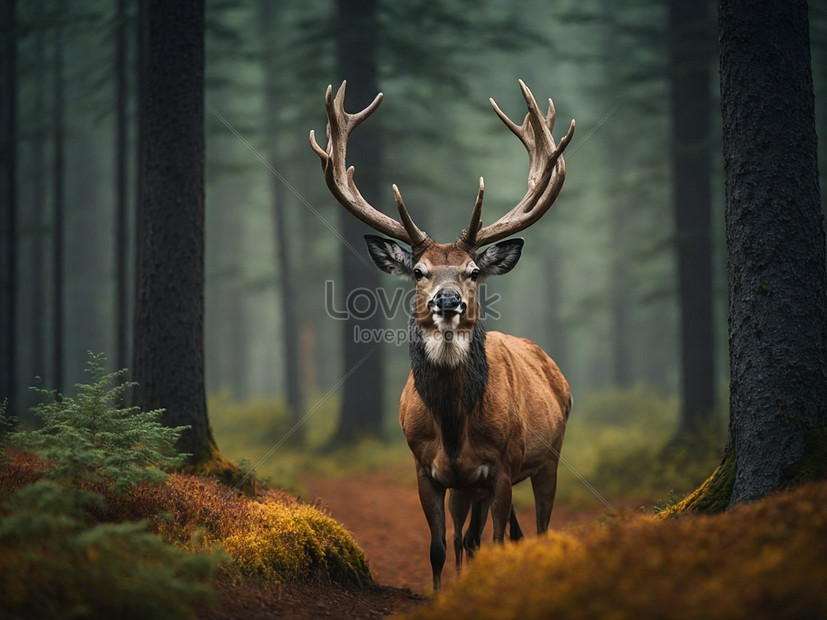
point(56, 559)
point(91, 526)
point(90, 438)
point(54, 564)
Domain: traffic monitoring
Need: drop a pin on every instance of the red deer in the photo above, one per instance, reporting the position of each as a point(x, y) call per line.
point(480, 411)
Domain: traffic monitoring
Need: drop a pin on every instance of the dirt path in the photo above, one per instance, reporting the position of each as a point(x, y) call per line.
point(382, 511)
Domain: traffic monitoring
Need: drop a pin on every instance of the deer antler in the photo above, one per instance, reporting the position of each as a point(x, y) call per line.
point(339, 177)
point(546, 173)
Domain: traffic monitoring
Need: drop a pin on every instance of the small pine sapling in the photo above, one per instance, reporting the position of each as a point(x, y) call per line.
point(91, 438)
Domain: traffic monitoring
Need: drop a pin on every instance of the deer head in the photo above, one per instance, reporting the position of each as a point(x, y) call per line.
point(446, 274)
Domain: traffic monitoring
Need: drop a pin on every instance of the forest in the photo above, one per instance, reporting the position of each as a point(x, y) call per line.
point(201, 366)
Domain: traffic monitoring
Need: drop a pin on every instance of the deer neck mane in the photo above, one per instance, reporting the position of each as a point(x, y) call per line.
point(450, 391)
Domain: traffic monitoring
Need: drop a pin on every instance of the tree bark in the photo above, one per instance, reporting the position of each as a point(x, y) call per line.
point(8, 207)
point(58, 184)
point(169, 301)
point(775, 241)
point(121, 190)
point(690, 55)
point(39, 246)
point(363, 395)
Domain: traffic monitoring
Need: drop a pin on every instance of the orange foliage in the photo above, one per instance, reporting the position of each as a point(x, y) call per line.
point(271, 535)
point(764, 560)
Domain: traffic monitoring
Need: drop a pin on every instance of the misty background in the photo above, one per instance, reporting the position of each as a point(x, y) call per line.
point(597, 286)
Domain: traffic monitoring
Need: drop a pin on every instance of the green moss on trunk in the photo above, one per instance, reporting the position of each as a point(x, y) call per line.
point(712, 496)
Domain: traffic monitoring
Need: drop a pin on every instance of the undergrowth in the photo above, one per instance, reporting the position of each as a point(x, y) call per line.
point(91, 525)
point(764, 560)
point(56, 558)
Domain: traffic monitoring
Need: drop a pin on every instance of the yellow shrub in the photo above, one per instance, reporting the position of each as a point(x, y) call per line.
point(280, 540)
point(273, 536)
point(765, 560)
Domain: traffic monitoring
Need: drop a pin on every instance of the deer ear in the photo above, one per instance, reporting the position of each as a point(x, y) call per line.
point(499, 258)
point(389, 256)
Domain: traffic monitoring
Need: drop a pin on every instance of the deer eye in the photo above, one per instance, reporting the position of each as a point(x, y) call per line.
point(418, 273)
point(475, 273)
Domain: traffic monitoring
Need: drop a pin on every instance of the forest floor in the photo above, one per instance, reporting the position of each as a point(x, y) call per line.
point(382, 512)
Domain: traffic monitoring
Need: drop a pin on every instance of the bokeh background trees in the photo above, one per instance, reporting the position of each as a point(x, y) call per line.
point(623, 283)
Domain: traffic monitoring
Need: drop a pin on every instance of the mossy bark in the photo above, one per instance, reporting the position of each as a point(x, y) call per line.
point(216, 465)
point(713, 495)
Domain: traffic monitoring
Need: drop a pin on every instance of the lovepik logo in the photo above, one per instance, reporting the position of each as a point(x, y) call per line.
point(362, 303)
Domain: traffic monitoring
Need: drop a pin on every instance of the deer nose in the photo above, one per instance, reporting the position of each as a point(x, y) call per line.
point(448, 300)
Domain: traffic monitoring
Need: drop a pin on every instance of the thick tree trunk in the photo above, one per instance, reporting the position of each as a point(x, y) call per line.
point(8, 206)
point(690, 52)
point(775, 241)
point(363, 395)
point(169, 303)
point(776, 257)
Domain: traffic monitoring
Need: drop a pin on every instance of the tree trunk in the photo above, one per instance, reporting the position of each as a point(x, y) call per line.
point(121, 186)
point(619, 212)
point(776, 257)
point(278, 199)
point(39, 245)
point(363, 396)
point(553, 267)
point(775, 240)
point(59, 173)
point(8, 207)
point(689, 81)
point(622, 375)
point(818, 34)
point(169, 301)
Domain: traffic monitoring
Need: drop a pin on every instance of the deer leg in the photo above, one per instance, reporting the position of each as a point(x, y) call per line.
point(458, 504)
point(515, 533)
point(544, 485)
point(432, 498)
point(500, 506)
point(479, 515)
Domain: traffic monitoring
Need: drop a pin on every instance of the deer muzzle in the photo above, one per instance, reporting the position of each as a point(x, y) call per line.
point(446, 302)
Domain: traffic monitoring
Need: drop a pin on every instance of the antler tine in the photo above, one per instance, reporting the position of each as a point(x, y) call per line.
point(417, 237)
point(467, 240)
point(339, 178)
point(547, 170)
